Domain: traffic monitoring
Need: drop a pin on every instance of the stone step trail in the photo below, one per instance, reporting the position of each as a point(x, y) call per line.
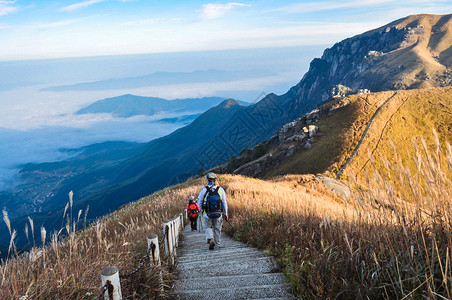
point(233, 271)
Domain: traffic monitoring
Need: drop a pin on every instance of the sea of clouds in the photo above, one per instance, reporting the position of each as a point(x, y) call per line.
point(37, 125)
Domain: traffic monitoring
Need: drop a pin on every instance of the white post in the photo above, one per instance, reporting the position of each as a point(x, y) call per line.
point(153, 245)
point(166, 233)
point(171, 229)
point(174, 227)
point(110, 279)
point(168, 240)
point(181, 222)
point(176, 230)
point(177, 227)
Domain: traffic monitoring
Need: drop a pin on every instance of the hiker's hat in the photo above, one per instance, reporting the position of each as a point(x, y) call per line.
point(191, 198)
point(211, 176)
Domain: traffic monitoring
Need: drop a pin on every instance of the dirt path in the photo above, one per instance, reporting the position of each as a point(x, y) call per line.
point(338, 176)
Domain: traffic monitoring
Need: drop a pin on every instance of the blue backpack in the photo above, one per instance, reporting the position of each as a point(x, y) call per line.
point(213, 205)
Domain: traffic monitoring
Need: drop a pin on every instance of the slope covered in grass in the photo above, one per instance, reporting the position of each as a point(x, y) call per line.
point(406, 117)
point(379, 244)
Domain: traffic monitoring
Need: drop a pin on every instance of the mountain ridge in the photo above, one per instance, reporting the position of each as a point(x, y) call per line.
point(129, 105)
point(161, 78)
point(386, 58)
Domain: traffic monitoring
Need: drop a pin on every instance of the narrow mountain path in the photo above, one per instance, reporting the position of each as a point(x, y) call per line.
point(338, 176)
point(234, 271)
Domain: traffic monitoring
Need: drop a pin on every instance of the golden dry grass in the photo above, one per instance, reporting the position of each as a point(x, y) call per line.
point(409, 115)
point(382, 244)
point(70, 268)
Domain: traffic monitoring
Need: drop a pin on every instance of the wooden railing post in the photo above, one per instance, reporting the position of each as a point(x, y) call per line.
point(154, 252)
point(181, 221)
point(177, 225)
point(110, 280)
point(168, 232)
point(173, 233)
point(153, 248)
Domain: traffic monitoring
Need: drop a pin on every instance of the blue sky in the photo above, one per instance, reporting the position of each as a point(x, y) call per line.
point(31, 29)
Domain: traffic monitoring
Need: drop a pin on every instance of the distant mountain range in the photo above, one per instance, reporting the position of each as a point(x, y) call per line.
point(409, 53)
point(163, 78)
point(131, 105)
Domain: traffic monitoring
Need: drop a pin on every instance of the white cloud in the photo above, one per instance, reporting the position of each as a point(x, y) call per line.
point(149, 22)
point(316, 6)
point(80, 5)
point(57, 24)
point(213, 10)
point(45, 144)
point(308, 7)
point(6, 7)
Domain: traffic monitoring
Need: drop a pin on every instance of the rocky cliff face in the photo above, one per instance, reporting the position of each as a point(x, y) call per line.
point(413, 52)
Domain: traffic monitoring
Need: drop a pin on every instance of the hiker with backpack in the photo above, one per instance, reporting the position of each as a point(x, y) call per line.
point(212, 200)
point(192, 211)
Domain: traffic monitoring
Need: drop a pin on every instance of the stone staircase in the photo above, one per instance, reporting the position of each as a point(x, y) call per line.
point(234, 271)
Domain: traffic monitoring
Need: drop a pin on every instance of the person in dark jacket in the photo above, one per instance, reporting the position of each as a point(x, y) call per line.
point(193, 211)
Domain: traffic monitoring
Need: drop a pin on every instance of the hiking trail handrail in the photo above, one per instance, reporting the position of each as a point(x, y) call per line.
point(171, 230)
point(110, 278)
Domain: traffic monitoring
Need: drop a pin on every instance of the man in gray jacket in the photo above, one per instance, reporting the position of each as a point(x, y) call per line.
point(212, 200)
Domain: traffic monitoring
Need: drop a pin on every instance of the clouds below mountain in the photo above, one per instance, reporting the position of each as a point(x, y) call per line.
point(49, 143)
point(36, 124)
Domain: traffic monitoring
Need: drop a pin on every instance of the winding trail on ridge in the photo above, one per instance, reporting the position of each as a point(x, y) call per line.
point(234, 271)
point(338, 176)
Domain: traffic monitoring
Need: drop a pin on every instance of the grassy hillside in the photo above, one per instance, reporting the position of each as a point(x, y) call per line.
point(372, 246)
point(407, 117)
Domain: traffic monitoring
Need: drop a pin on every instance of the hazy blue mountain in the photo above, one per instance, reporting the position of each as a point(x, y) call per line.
point(132, 105)
point(163, 78)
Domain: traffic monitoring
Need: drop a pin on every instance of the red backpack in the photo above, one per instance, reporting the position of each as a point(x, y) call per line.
point(192, 210)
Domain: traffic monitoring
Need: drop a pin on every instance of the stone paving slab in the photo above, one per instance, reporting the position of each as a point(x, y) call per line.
point(186, 264)
point(248, 292)
point(243, 267)
point(237, 281)
point(201, 255)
